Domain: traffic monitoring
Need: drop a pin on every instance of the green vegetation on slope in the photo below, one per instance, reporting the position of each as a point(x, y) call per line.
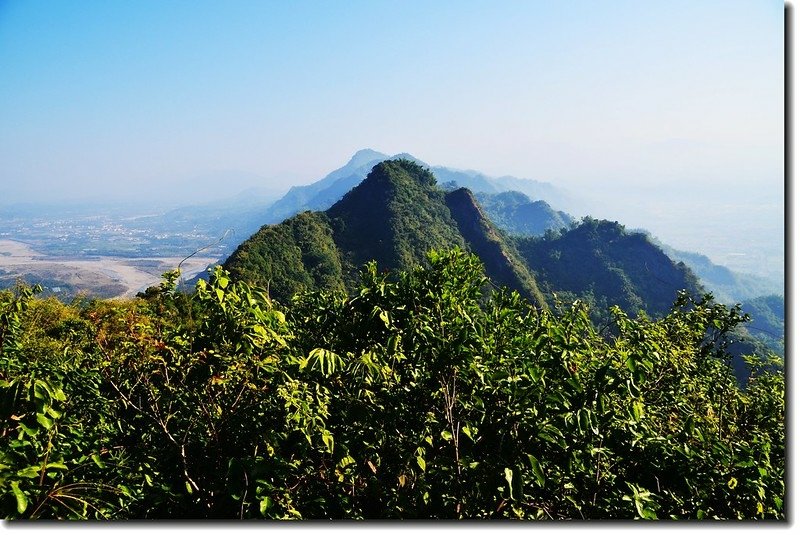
point(517, 214)
point(394, 217)
point(416, 397)
point(501, 261)
point(297, 255)
point(600, 262)
point(768, 323)
point(728, 286)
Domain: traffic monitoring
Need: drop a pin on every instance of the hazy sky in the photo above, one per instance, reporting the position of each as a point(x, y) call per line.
point(108, 97)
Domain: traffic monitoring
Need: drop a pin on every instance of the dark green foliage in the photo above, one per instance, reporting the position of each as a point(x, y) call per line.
point(502, 262)
point(517, 214)
point(415, 397)
point(728, 286)
point(394, 217)
point(767, 323)
point(398, 213)
point(602, 263)
point(298, 255)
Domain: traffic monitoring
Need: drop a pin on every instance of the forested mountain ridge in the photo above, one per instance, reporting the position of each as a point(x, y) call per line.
point(501, 261)
point(518, 214)
point(603, 264)
point(324, 193)
point(399, 213)
point(394, 217)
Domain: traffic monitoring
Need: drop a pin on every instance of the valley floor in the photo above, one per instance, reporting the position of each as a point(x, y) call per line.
point(97, 276)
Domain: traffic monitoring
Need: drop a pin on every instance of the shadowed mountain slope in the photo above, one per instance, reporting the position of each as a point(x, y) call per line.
point(501, 261)
point(601, 262)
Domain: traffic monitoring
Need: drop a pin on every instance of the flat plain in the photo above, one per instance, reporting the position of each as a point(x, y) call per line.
point(101, 276)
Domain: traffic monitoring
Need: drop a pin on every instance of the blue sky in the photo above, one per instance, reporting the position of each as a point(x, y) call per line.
point(647, 107)
point(116, 96)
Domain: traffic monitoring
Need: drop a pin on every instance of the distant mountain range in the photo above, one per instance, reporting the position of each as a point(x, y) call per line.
point(728, 286)
point(322, 194)
point(399, 212)
point(394, 217)
point(517, 208)
point(515, 213)
point(243, 214)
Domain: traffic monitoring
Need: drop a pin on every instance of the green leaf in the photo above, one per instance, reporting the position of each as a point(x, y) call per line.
point(327, 438)
point(346, 461)
point(42, 391)
point(537, 470)
point(509, 476)
point(583, 420)
point(44, 421)
point(638, 410)
point(98, 461)
point(421, 463)
point(468, 431)
point(27, 430)
point(264, 505)
point(646, 513)
point(29, 472)
point(22, 500)
point(59, 395)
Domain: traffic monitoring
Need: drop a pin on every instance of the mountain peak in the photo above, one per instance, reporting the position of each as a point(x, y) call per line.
point(398, 168)
point(409, 157)
point(365, 156)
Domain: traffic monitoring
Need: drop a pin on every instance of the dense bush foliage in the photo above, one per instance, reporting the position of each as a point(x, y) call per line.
point(416, 396)
point(295, 256)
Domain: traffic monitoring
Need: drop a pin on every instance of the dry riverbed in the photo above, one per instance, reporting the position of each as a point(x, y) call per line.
point(96, 276)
